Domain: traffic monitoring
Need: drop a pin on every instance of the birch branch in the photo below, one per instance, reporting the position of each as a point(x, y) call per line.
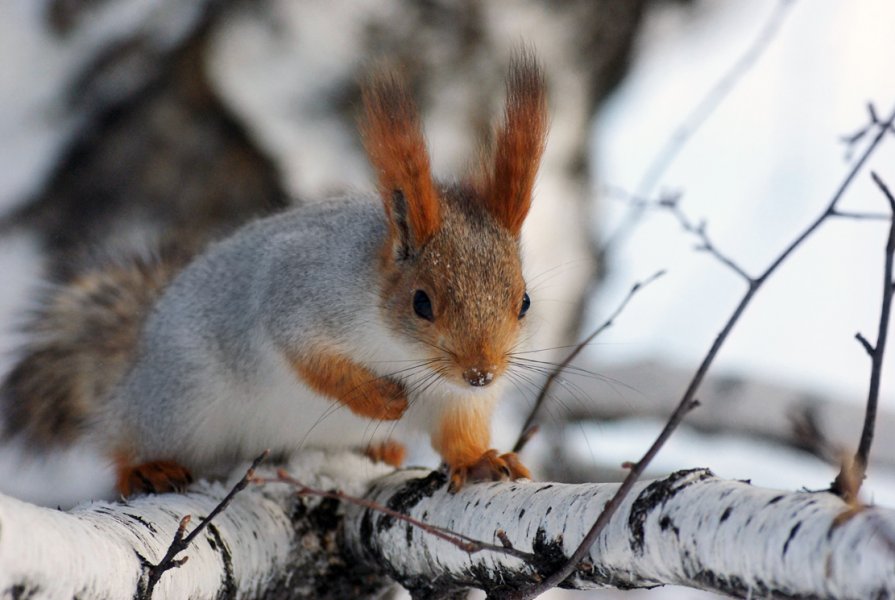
point(690, 528)
point(267, 543)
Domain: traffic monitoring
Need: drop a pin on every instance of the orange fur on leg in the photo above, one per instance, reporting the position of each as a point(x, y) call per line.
point(463, 438)
point(154, 477)
point(357, 387)
point(389, 452)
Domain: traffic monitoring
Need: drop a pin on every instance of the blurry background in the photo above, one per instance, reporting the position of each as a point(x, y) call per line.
point(127, 123)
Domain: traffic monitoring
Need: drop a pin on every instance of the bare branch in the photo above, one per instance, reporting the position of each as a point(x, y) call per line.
point(528, 428)
point(868, 347)
point(685, 404)
point(671, 203)
point(181, 543)
point(876, 351)
point(859, 216)
point(699, 230)
point(852, 140)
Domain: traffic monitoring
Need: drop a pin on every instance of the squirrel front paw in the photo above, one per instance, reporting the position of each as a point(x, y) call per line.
point(489, 467)
point(387, 401)
point(154, 477)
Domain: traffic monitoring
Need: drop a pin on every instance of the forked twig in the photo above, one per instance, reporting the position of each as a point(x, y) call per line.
point(856, 471)
point(686, 402)
point(461, 541)
point(529, 428)
point(182, 542)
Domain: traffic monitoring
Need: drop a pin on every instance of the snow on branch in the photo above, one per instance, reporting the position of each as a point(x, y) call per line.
point(690, 528)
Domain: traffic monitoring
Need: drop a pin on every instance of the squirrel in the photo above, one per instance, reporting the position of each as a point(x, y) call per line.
point(335, 323)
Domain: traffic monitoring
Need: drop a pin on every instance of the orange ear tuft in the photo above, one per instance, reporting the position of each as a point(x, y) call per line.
point(506, 184)
point(393, 138)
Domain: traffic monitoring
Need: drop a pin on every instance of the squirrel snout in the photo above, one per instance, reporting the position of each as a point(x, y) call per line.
point(478, 377)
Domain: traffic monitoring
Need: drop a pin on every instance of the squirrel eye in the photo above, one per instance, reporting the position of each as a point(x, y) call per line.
point(526, 302)
point(422, 306)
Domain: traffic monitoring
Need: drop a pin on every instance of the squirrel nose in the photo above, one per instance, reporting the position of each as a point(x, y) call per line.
point(477, 377)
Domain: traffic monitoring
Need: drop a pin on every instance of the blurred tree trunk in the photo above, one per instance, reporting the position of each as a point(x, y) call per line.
point(192, 120)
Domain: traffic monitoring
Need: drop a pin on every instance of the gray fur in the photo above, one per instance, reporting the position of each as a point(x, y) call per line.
point(223, 325)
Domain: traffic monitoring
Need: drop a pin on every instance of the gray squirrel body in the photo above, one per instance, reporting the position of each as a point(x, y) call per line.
point(346, 322)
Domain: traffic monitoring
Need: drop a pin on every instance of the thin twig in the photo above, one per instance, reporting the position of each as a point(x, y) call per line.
point(699, 230)
point(692, 123)
point(865, 343)
point(852, 140)
point(181, 542)
point(860, 216)
point(858, 468)
point(686, 402)
point(670, 202)
point(461, 541)
point(529, 427)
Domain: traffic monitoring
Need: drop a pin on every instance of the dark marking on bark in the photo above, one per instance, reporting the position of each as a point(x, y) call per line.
point(548, 511)
point(149, 526)
point(738, 588)
point(22, 591)
point(409, 535)
point(145, 565)
point(666, 523)
point(410, 495)
point(792, 534)
point(654, 496)
point(548, 552)
point(774, 500)
point(366, 533)
point(521, 513)
point(541, 489)
point(725, 514)
point(217, 543)
point(325, 516)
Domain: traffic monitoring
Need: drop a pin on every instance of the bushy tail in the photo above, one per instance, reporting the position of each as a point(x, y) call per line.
point(82, 339)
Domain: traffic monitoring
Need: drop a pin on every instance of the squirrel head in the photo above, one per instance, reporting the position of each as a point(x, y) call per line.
point(452, 274)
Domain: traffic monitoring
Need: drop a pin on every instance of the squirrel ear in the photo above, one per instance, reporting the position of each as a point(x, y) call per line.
point(394, 141)
point(505, 184)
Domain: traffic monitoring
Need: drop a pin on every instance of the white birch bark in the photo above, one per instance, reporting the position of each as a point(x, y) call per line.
point(689, 529)
point(266, 543)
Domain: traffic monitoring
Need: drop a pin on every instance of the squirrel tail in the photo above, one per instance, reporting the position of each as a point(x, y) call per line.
point(81, 340)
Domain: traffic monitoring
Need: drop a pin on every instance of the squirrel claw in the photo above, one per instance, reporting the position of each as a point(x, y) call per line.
point(489, 467)
point(154, 477)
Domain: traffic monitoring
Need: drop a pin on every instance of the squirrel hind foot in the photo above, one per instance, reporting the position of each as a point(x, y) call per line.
point(154, 477)
point(490, 466)
point(389, 452)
